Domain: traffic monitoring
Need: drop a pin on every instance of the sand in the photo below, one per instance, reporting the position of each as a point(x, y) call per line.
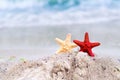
point(69, 66)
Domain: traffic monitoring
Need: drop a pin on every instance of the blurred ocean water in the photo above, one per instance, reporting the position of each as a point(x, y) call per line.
point(56, 12)
point(106, 33)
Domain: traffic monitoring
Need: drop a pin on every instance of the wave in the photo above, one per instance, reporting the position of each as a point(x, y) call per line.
point(57, 12)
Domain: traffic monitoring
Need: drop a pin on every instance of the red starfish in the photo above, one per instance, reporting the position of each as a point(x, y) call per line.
point(86, 46)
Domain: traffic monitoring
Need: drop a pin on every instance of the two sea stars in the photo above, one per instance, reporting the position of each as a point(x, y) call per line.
point(85, 46)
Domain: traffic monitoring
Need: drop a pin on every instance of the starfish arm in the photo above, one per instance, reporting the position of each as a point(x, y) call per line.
point(95, 44)
point(90, 53)
point(81, 50)
point(60, 50)
point(68, 38)
point(64, 50)
point(86, 39)
point(59, 41)
point(79, 43)
point(73, 45)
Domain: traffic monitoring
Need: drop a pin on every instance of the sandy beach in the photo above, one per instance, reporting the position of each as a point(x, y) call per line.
point(68, 66)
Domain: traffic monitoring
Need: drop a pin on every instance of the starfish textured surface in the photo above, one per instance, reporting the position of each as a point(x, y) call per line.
point(86, 45)
point(66, 45)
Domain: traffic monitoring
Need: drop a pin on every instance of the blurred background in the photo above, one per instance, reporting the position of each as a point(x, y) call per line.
point(28, 27)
